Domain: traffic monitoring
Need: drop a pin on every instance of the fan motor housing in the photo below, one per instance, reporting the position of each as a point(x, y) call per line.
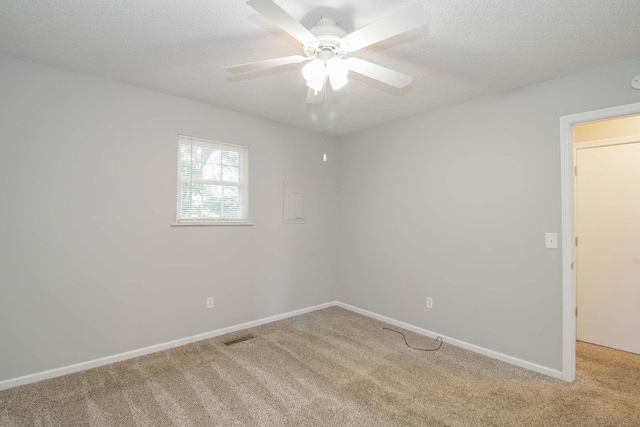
point(329, 36)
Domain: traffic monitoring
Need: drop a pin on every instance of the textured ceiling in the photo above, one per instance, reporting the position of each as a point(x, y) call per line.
point(470, 48)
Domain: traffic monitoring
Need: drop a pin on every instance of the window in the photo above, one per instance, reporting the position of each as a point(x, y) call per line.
point(212, 182)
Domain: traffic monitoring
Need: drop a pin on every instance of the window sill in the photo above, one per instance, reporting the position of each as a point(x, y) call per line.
point(200, 224)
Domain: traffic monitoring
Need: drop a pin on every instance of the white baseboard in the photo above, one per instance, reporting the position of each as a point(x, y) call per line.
point(477, 349)
point(57, 372)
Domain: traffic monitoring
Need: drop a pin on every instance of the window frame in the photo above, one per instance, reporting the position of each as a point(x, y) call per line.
point(242, 184)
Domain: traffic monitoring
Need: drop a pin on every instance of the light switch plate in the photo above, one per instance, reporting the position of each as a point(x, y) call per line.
point(551, 240)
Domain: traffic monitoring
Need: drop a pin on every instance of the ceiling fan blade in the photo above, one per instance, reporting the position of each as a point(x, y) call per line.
point(285, 21)
point(267, 63)
point(378, 72)
point(405, 19)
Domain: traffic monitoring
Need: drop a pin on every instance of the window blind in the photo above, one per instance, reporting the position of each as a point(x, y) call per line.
point(212, 181)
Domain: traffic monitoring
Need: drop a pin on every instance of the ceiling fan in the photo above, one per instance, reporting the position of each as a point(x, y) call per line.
point(325, 46)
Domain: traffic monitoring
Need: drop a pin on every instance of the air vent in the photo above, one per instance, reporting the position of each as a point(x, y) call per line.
point(237, 340)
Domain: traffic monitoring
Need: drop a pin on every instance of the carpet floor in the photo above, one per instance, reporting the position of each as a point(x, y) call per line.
point(330, 367)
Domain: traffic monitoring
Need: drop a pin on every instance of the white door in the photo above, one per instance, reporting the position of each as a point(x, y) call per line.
point(608, 251)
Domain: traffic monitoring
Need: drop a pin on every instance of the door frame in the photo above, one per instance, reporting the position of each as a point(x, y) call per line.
point(567, 192)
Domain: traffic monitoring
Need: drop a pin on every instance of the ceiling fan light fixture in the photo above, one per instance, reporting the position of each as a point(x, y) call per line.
point(338, 70)
point(326, 43)
point(315, 74)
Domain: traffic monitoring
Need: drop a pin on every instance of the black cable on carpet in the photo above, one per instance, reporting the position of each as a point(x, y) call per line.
point(416, 348)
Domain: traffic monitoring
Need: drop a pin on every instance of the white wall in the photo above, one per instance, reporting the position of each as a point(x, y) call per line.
point(89, 266)
point(454, 204)
point(451, 204)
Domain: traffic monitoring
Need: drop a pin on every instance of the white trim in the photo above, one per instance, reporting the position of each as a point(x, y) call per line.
point(567, 234)
point(57, 372)
point(195, 224)
point(458, 343)
point(607, 142)
point(52, 373)
point(568, 226)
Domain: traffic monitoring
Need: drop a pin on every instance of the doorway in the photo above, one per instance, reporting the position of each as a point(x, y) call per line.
point(567, 164)
point(607, 205)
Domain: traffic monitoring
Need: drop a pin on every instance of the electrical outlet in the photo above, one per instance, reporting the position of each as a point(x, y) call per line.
point(209, 302)
point(429, 302)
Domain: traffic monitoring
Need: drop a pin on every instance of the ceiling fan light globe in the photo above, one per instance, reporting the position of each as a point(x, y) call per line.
point(338, 81)
point(315, 85)
point(338, 71)
point(338, 85)
point(314, 73)
point(314, 70)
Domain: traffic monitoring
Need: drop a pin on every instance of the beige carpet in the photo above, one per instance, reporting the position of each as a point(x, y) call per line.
point(330, 368)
